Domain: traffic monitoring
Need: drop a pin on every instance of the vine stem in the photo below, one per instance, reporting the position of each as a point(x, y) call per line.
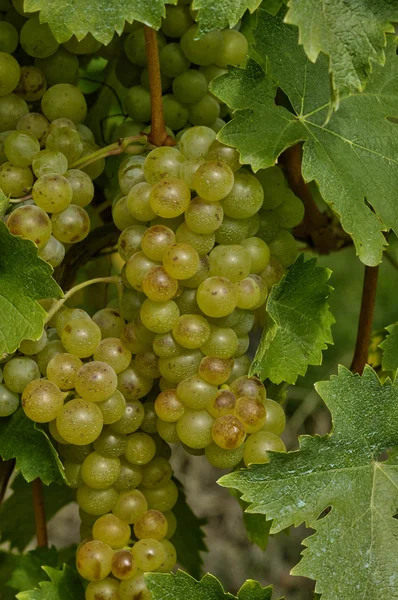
point(365, 319)
point(40, 515)
point(158, 135)
point(110, 150)
point(112, 279)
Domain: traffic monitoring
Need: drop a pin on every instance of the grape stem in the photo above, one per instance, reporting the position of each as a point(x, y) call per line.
point(112, 279)
point(158, 135)
point(365, 319)
point(122, 145)
point(40, 515)
point(18, 200)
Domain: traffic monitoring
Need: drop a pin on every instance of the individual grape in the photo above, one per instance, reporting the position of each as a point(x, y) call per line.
point(228, 432)
point(147, 365)
point(135, 588)
point(162, 497)
point(95, 381)
point(110, 322)
point(37, 40)
point(64, 100)
point(167, 431)
point(81, 337)
point(159, 317)
point(169, 197)
point(67, 141)
point(223, 404)
point(138, 202)
point(158, 285)
point(291, 212)
point(112, 531)
point(149, 554)
point(217, 296)
point(194, 428)
point(249, 386)
point(19, 372)
point(9, 73)
point(121, 215)
point(202, 243)
point(177, 368)
point(94, 560)
point(132, 384)
point(213, 180)
point(79, 422)
point(175, 112)
point(53, 252)
point(135, 48)
point(272, 273)
point(129, 478)
point(9, 37)
point(259, 444)
point(140, 449)
point(196, 393)
point(123, 566)
point(232, 231)
point(69, 314)
point(176, 21)
point(71, 225)
point(47, 162)
point(172, 524)
point(204, 112)
point(106, 589)
point(190, 86)
point(152, 524)
point(162, 162)
point(191, 331)
point(215, 370)
point(233, 50)
point(62, 370)
point(131, 172)
point(100, 472)
point(130, 505)
point(245, 198)
point(138, 103)
point(9, 401)
point(248, 293)
point(251, 412)
point(20, 148)
point(130, 304)
point(12, 109)
point(212, 71)
point(137, 267)
point(130, 241)
point(225, 154)
point(204, 217)
point(60, 67)
point(232, 262)
point(263, 290)
point(181, 261)
point(72, 453)
point(96, 502)
point(259, 253)
point(196, 141)
point(201, 51)
point(35, 123)
point(31, 347)
point(52, 193)
point(72, 470)
point(172, 60)
point(188, 170)
point(283, 248)
point(243, 345)
point(113, 408)
point(52, 349)
point(169, 407)
point(186, 301)
point(157, 472)
point(114, 352)
point(149, 423)
point(88, 45)
point(156, 240)
point(275, 419)
point(269, 226)
point(222, 342)
point(32, 84)
point(131, 419)
point(222, 458)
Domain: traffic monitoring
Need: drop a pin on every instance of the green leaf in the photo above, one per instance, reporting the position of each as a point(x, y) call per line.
point(24, 279)
point(101, 18)
point(353, 552)
point(298, 324)
point(17, 519)
point(28, 568)
point(22, 439)
point(257, 526)
point(328, 27)
point(225, 13)
point(189, 536)
point(390, 349)
point(182, 586)
point(64, 585)
point(353, 158)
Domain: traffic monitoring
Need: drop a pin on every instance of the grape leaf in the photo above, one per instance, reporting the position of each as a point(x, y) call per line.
point(390, 349)
point(257, 526)
point(182, 586)
point(101, 18)
point(353, 552)
point(298, 324)
point(188, 539)
point(17, 519)
point(64, 585)
point(22, 439)
point(226, 13)
point(27, 571)
point(352, 157)
point(24, 279)
point(351, 34)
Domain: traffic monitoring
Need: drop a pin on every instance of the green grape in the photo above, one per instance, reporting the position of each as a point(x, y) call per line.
point(158, 285)
point(149, 554)
point(245, 322)
point(132, 384)
point(213, 180)
point(168, 406)
point(188, 170)
point(259, 253)
point(201, 51)
point(156, 472)
point(175, 112)
point(162, 162)
point(9, 401)
point(113, 408)
point(243, 345)
point(177, 368)
point(147, 365)
point(130, 304)
point(221, 343)
point(79, 422)
point(167, 431)
point(42, 400)
point(138, 202)
point(228, 432)
point(202, 243)
point(130, 476)
point(201, 274)
point(111, 530)
point(19, 372)
point(232, 231)
point(62, 370)
point(131, 419)
point(121, 215)
point(67, 141)
point(204, 112)
point(291, 212)
point(269, 226)
point(169, 197)
point(176, 21)
point(15, 181)
point(172, 524)
point(9, 73)
point(135, 588)
point(223, 459)
point(137, 267)
point(274, 185)
point(181, 261)
point(259, 444)
point(212, 71)
point(253, 224)
point(138, 103)
point(135, 48)
point(248, 293)
point(186, 301)
point(113, 352)
point(110, 322)
point(251, 387)
point(194, 428)
point(81, 337)
point(191, 331)
point(106, 589)
point(31, 347)
point(232, 262)
point(196, 141)
point(72, 453)
point(196, 393)
point(245, 198)
point(100, 472)
point(283, 248)
point(223, 404)
point(9, 37)
point(217, 296)
point(35, 123)
point(233, 50)
point(140, 449)
point(159, 317)
point(149, 423)
point(152, 524)
point(12, 109)
point(52, 193)
point(123, 567)
point(215, 370)
point(94, 560)
point(96, 502)
point(37, 40)
point(47, 162)
point(131, 338)
point(64, 100)
point(94, 169)
point(204, 217)
point(190, 86)
point(251, 413)
point(60, 67)
point(130, 241)
point(130, 505)
point(240, 367)
point(95, 381)
point(156, 240)
point(172, 60)
point(131, 171)
point(225, 154)
point(53, 252)
point(52, 349)
point(20, 147)
point(218, 123)
point(272, 273)
point(69, 314)
point(88, 45)
point(275, 418)
point(72, 225)
point(162, 497)
point(72, 473)
point(32, 84)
